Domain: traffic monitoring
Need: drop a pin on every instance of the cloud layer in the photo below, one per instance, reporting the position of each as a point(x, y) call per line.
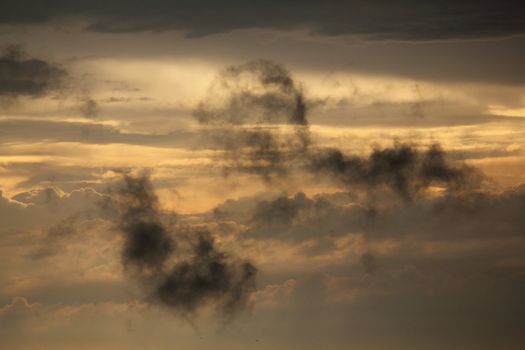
point(406, 20)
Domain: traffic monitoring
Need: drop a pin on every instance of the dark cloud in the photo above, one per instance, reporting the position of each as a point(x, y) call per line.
point(202, 276)
point(402, 168)
point(245, 108)
point(401, 19)
point(293, 218)
point(262, 92)
point(148, 244)
point(446, 255)
point(208, 275)
point(279, 98)
point(24, 76)
point(281, 210)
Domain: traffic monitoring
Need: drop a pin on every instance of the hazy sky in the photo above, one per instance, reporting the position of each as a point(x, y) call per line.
point(262, 175)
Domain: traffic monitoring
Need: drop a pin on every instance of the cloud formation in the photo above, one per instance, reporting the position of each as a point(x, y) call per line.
point(175, 277)
point(246, 108)
point(402, 168)
point(405, 20)
point(45, 206)
point(21, 75)
point(259, 116)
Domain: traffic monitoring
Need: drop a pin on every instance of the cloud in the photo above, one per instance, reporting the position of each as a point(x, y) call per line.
point(276, 98)
point(245, 108)
point(274, 138)
point(24, 76)
point(31, 130)
point(198, 276)
point(446, 217)
point(405, 20)
point(460, 240)
point(299, 218)
point(89, 108)
point(402, 168)
point(48, 206)
point(403, 260)
point(148, 244)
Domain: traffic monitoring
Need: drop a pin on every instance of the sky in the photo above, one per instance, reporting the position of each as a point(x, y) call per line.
point(262, 175)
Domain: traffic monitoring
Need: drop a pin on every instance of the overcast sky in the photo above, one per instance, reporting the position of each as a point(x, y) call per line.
point(262, 175)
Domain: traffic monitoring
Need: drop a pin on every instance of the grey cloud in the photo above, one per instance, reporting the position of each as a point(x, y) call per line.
point(148, 244)
point(240, 98)
point(472, 316)
point(402, 168)
point(458, 216)
point(208, 275)
point(299, 218)
point(404, 19)
point(281, 98)
point(245, 107)
point(24, 76)
point(492, 62)
point(201, 276)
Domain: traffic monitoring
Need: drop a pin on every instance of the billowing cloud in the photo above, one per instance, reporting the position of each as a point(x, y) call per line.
point(402, 168)
point(49, 206)
point(454, 216)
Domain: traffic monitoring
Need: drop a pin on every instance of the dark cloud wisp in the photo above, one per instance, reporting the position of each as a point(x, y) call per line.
point(402, 168)
point(24, 76)
point(245, 109)
point(258, 116)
